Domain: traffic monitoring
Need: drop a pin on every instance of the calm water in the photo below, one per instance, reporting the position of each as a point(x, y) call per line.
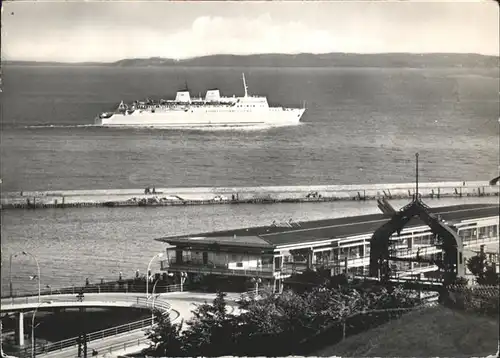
point(363, 125)
point(73, 244)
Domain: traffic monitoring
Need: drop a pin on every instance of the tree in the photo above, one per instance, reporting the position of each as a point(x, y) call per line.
point(278, 325)
point(165, 337)
point(483, 270)
point(260, 329)
point(210, 330)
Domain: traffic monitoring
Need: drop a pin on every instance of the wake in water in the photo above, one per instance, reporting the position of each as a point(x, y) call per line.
point(62, 126)
point(201, 128)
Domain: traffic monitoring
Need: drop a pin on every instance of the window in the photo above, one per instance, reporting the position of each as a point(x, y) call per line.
point(466, 234)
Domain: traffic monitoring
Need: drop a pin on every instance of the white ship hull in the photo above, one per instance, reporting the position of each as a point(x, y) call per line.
point(202, 117)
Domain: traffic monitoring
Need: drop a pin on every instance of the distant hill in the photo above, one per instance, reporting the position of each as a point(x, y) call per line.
point(305, 60)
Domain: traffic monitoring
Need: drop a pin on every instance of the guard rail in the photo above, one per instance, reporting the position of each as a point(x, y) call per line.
point(113, 331)
point(104, 288)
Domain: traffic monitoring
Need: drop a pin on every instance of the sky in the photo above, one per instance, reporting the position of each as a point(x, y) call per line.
point(107, 31)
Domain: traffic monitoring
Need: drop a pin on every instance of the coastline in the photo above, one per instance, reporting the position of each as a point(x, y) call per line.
point(241, 195)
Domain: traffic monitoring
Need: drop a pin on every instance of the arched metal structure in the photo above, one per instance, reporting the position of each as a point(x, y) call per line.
point(450, 262)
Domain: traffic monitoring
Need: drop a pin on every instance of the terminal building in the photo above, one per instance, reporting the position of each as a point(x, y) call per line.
point(275, 252)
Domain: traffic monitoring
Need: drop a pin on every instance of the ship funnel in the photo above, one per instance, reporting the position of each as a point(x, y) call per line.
point(212, 96)
point(183, 96)
point(245, 85)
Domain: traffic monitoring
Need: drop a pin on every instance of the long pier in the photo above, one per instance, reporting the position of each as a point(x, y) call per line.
point(241, 195)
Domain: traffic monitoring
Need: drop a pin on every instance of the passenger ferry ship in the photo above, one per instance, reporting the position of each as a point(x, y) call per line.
point(212, 111)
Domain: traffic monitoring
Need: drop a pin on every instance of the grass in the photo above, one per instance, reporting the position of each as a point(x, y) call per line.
point(432, 332)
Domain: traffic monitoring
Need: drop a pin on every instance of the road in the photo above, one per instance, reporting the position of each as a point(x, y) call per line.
point(182, 303)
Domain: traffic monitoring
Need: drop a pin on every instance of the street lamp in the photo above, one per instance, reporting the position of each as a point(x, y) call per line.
point(33, 327)
point(183, 279)
point(26, 253)
point(147, 272)
point(256, 280)
point(153, 302)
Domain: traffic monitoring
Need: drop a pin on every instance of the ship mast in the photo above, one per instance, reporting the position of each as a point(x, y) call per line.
point(245, 85)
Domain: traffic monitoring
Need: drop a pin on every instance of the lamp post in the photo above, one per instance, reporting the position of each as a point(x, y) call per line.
point(256, 280)
point(26, 253)
point(183, 279)
point(147, 272)
point(153, 303)
point(33, 327)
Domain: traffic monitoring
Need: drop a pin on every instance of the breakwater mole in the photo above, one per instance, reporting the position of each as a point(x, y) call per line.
point(241, 195)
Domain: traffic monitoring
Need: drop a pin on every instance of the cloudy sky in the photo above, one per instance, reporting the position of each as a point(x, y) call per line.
point(109, 31)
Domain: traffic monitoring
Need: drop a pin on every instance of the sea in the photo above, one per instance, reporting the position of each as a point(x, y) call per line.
point(362, 125)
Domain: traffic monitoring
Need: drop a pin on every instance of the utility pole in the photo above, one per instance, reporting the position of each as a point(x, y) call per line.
point(83, 337)
point(85, 340)
point(79, 341)
point(82, 345)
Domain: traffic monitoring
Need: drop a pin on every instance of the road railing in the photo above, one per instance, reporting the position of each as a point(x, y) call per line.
point(112, 350)
point(159, 303)
point(97, 288)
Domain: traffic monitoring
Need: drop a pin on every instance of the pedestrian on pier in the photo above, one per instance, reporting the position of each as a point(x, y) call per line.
point(80, 296)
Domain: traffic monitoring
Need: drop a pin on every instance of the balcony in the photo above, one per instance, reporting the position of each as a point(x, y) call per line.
point(198, 267)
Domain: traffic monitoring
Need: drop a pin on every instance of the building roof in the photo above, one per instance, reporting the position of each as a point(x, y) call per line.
point(309, 231)
point(235, 240)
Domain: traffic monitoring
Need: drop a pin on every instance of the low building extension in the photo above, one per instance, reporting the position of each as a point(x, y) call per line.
point(273, 253)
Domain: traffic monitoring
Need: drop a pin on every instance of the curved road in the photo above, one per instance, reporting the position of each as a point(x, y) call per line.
point(65, 301)
point(180, 303)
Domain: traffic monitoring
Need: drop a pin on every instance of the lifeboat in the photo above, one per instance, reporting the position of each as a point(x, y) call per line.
point(106, 115)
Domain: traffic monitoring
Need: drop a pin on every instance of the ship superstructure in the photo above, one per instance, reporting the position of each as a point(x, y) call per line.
point(212, 111)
